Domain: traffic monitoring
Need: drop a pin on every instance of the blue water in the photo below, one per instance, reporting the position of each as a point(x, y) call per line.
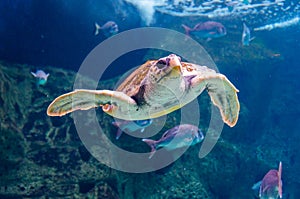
point(36, 33)
point(60, 34)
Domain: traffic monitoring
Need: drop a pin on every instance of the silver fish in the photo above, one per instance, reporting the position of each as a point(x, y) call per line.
point(131, 126)
point(246, 36)
point(41, 77)
point(180, 136)
point(109, 28)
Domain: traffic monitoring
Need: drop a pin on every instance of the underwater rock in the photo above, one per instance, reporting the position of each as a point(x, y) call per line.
point(14, 104)
point(40, 156)
point(12, 149)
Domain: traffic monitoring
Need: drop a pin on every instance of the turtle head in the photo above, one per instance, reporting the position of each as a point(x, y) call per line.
point(164, 84)
point(166, 67)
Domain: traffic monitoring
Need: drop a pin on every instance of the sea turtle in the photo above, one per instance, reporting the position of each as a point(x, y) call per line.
point(156, 88)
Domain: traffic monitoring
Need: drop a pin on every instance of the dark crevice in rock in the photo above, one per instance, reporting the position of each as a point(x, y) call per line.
point(84, 153)
point(85, 187)
point(57, 121)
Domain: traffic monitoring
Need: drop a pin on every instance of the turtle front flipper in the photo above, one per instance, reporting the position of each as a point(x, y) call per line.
point(223, 94)
point(86, 99)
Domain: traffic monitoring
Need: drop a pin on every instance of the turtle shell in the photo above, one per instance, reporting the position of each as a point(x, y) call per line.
point(132, 84)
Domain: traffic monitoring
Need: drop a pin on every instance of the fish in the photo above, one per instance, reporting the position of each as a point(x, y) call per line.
point(231, 5)
point(177, 137)
point(109, 28)
point(246, 36)
point(271, 185)
point(247, 2)
point(208, 29)
point(41, 77)
point(131, 126)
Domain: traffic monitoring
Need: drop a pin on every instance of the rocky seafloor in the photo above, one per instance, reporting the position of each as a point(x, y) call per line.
point(43, 157)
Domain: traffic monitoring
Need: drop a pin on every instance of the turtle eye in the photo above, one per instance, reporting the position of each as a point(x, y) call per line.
point(162, 63)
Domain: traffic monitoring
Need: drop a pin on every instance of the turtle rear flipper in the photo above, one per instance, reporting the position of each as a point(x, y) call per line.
point(86, 99)
point(223, 94)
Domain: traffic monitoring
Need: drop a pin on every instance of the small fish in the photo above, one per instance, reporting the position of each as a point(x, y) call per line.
point(208, 29)
point(231, 5)
point(180, 136)
point(271, 185)
point(131, 126)
point(275, 55)
point(109, 28)
point(41, 77)
point(247, 2)
point(246, 37)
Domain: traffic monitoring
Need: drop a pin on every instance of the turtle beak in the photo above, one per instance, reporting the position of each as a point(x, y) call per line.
point(169, 65)
point(174, 62)
point(177, 69)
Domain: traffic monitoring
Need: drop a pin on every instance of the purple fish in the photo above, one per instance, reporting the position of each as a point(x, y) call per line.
point(180, 136)
point(271, 184)
point(109, 28)
point(41, 77)
point(131, 126)
point(208, 29)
